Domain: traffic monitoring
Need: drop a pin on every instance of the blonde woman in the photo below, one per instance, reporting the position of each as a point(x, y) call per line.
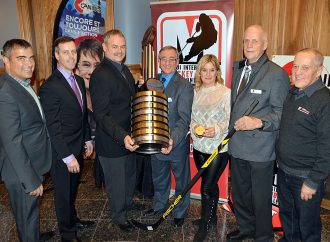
point(209, 125)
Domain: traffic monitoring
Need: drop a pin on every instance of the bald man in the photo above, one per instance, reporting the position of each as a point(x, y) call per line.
point(252, 148)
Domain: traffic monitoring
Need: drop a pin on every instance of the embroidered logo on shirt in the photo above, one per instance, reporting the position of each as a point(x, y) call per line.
point(304, 110)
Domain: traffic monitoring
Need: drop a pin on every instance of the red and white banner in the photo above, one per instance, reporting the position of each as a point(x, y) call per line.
point(197, 28)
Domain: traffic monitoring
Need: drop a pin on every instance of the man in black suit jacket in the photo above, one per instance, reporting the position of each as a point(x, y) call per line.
point(63, 99)
point(25, 154)
point(111, 87)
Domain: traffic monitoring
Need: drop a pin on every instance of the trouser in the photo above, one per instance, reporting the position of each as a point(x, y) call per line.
point(26, 212)
point(252, 197)
point(161, 176)
point(209, 185)
point(120, 178)
point(65, 192)
point(300, 219)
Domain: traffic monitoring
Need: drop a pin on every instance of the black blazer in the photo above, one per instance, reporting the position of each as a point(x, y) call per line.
point(25, 148)
point(111, 97)
point(66, 122)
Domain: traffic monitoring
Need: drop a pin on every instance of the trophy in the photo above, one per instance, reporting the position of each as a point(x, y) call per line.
point(149, 113)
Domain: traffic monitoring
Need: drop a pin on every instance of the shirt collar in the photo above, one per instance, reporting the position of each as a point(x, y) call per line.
point(167, 77)
point(116, 64)
point(309, 91)
point(24, 83)
point(65, 73)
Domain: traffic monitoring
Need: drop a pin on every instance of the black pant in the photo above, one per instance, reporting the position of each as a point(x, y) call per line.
point(300, 219)
point(120, 178)
point(65, 192)
point(252, 196)
point(210, 177)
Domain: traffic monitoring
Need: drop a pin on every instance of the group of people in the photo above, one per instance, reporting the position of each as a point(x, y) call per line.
point(91, 88)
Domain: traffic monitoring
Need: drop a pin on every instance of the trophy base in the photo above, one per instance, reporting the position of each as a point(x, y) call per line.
point(150, 149)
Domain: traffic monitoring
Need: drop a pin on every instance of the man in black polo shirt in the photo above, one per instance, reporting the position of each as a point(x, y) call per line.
point(303, 149)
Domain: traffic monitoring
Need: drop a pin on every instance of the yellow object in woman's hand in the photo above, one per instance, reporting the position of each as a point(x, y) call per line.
point(199, 130)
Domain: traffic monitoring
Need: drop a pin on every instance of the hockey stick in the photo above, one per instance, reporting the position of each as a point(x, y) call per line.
point(151, 227)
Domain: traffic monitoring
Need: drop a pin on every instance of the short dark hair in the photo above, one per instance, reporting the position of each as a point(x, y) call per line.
point(14, 43)
point(168, 47)
point(61, 40)
point(92, 47)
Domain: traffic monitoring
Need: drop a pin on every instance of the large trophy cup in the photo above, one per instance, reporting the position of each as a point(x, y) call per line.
point(149, 123)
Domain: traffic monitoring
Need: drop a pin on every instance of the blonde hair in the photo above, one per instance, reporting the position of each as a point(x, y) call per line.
point(111, 33)
point(201, 63)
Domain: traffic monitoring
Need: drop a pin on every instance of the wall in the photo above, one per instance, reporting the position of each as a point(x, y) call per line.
point(133, 18)
point(9, 23)
point(291, 24)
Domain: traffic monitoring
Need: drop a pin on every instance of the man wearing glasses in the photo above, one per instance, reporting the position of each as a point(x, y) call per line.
point(252, 148)
point(176, 157)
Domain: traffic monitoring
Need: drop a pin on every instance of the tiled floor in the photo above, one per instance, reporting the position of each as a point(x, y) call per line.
point(92, 204)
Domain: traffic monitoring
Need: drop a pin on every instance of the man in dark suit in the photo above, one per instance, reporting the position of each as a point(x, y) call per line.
point(112, 87)
point(176, 157)
point(252, 148)
point(25, 154)
point(63, 99)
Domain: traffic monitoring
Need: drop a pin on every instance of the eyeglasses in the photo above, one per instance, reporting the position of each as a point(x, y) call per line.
point(171, 59)
point(87, 66)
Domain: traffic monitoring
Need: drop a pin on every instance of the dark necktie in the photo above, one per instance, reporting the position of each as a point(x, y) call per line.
point(123, 72)
point(245, 80)
point(75, 89)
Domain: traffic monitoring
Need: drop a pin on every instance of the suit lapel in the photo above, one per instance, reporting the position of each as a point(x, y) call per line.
point(171, 85)
point(65, 83)
point(236, 79)
point(18, 87)
point(128, 80)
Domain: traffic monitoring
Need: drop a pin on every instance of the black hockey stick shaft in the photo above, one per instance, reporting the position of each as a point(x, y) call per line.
point(209, 160)
point(196, 177)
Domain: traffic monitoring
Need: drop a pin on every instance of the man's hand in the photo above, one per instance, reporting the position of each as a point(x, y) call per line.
point(306, 192)
point(248, 123)
point(38, 192)
point(88, 148)
point(73, 166)
point(129, 143)
point(167, 149)
point(140, 81)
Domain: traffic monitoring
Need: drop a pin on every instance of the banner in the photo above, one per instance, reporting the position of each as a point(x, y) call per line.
point(195, 29)
point(80, 19)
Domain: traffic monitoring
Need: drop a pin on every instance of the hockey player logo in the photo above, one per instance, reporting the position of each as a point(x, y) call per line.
point(205, 40)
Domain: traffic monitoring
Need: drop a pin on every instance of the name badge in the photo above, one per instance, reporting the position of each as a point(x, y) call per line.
point(169, 99)
point(256, 91)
